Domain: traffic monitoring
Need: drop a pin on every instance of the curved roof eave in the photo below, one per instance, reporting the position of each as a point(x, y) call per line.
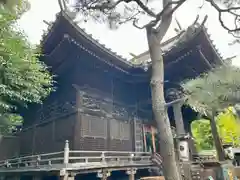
point(214, 49)
point(182, 43)
point(81, 32)
point(174, 47)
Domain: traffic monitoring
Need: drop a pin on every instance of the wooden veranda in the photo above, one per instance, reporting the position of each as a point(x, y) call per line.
point(67, 163)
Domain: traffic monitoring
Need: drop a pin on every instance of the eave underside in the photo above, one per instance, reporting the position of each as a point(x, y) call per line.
point(65, 40)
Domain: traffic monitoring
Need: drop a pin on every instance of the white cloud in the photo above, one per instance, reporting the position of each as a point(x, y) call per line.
point(127, 38)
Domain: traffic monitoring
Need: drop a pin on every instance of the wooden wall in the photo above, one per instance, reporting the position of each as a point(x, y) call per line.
point(103, 124)
point(103, 134)
point(91, 108)
point(9, 147)
point(48, 136)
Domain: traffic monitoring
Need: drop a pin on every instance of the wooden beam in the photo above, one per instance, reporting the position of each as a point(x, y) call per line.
point(153, 139)
point(144, 138)
point(181, 100)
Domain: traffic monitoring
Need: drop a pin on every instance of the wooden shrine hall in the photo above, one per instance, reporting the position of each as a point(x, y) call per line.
point(102, 101)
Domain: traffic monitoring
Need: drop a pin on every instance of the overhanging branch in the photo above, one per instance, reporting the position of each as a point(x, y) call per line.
point(144, 8)
point(167, 12)
point(230, 10)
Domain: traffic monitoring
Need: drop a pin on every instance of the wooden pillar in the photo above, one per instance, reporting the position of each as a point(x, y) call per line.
point(104, 174)
point(216, 138)
point(66, 152)
point(67, 177)
point(153, 139)
point(131, 172)
point(64, 175)
point(34, 128)
point(144, 138)
point(134, 136)
point(182, 137)
point(177, 110)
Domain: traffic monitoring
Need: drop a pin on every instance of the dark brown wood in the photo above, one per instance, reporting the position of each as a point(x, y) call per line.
point(177, 109)
point(216, 138)
point(9, 147)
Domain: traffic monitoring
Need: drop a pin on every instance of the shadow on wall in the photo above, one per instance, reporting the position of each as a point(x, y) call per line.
point(9, 147)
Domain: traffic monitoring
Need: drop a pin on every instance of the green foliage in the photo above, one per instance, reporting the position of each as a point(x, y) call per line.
point(228, 129)
point(17, 7)
point(9, 122)
point(201, 131)
point(23, 78)
point(215, 90)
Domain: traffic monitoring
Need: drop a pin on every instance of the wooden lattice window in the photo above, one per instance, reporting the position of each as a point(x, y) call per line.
point(93, 126)
point(120, 130)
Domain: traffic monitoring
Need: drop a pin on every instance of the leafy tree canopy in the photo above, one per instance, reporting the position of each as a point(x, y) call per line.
point(228, 128)
point(23, 78)
point(215, 90)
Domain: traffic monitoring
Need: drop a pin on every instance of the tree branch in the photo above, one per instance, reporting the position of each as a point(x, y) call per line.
point(166, 16)
point(106, 5)
point(226, 10)
point(167, 11)
point(144, 8)
point(131, 18)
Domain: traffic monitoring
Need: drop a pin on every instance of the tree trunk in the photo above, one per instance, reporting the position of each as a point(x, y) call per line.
point(166, 144)
point(216, 138)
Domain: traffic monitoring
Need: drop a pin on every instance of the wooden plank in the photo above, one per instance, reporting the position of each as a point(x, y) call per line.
point(153, 139)
point(144, 138)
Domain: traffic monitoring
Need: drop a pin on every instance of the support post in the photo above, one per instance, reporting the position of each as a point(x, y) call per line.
point(177, 110)
point(64, 175)
point(66, 152)
point(131, 172)
point(67, 177)
point(104, 174)
point(182, 137)
point(216, 138)
point(153, 139)
point(144, 138)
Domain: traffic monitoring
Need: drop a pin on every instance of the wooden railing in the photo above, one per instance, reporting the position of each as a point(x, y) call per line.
point(34, 160)
point(204, 158)
point(69, 159)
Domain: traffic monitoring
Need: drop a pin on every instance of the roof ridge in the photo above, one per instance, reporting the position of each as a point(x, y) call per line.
point(162, 44)
point(96, 41)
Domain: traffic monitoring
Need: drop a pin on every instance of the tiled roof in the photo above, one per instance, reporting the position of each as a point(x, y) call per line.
point(177, 41)
point(167, 46)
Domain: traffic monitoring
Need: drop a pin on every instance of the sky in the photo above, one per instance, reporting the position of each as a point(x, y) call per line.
point(128, 39)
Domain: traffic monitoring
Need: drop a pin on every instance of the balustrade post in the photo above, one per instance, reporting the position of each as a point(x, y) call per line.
point(103, 158)
point(131, 158)
point(131, 172)
point(104, 174)
point(66, 152)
